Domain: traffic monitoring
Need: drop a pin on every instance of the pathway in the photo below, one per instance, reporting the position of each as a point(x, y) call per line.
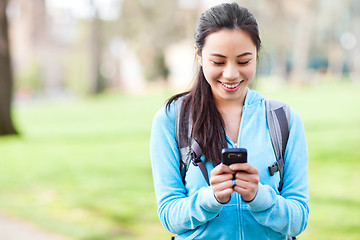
point(14, 229)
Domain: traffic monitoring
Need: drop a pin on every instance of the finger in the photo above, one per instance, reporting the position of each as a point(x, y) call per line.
point(246, 167)
point(224, 196)
point(223, 185)
point(239, 189)
point(246, 177)
point(220, 169)
point(215, 179)
point(247, 192)
point(246, 185)
point(243, 192)
point(241, 184)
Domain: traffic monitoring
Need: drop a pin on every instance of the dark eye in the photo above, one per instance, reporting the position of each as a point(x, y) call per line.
point(218, 63)
point(243, 63)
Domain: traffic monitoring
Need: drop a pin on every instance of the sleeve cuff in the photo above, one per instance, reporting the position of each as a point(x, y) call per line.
point(263, 200)
point(209, 201)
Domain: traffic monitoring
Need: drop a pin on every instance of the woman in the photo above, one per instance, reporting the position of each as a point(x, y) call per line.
point(243, 200)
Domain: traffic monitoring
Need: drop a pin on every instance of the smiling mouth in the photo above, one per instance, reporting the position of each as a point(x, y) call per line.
point(231, 86)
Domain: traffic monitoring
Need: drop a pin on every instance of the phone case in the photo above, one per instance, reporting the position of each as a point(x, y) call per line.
point(233, 155)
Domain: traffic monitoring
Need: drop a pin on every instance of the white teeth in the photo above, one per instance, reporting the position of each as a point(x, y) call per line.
point(231, 86)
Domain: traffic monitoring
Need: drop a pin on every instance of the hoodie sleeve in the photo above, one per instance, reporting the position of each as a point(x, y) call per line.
point(288, 212)
point(178, 212)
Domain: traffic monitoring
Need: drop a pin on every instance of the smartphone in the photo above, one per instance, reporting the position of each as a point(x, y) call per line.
point(233, 155)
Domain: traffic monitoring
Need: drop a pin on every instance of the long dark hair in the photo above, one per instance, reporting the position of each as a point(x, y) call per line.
point(208, 124)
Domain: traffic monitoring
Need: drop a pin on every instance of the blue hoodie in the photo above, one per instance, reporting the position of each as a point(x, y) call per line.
point(191, 211)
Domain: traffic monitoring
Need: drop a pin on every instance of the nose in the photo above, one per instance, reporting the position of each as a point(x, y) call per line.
point(230, 72)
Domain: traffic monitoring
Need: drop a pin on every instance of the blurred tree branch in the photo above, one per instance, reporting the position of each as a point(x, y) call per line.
point(6, 79)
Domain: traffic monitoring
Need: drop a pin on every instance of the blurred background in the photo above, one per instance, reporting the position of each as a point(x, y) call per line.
point(81, 80)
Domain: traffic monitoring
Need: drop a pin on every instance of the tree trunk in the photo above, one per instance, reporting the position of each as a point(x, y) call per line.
point(301, 50)
point(6, 124)
point(95, 50)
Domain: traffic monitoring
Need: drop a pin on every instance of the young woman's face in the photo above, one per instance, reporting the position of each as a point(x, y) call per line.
point(228, 59)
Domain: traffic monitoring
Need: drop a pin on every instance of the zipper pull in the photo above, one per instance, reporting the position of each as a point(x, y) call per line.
point(235, 145)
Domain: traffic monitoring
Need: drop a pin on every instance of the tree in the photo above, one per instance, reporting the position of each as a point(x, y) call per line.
point(6, 78)
point(302, 40)
point(151, 26)
point(95, 50)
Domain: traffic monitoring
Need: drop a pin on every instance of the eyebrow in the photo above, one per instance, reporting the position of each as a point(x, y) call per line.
point(241, 55)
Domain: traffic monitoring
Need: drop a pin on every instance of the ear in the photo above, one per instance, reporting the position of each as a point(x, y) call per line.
point(198, 56)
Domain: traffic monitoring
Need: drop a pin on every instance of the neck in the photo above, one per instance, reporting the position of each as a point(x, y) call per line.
point(224, 105)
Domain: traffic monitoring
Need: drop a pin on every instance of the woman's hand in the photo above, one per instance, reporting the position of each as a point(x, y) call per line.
point(246, 180)
point(221, 180)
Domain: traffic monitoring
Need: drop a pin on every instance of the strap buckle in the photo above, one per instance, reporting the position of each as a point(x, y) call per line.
point(195, 159)
point(196, 152)
point(273, 168)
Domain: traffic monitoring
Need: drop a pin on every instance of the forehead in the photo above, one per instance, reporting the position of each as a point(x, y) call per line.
point(229, 42)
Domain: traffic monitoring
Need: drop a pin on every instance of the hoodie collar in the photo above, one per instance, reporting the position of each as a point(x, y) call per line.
point(252, 97)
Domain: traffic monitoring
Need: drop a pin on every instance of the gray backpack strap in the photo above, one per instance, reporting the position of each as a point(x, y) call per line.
point(189, 148)
point(182, 137)
point(277, 114)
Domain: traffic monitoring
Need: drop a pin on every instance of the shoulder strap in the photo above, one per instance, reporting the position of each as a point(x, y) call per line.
point(182, 130)
point(189, 148)
point(196, 154)
point(277, 114)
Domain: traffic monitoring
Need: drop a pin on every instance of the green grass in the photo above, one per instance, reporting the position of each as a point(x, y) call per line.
point(81, 167)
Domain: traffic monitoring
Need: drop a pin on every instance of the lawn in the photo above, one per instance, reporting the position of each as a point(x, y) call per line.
point(81, 167)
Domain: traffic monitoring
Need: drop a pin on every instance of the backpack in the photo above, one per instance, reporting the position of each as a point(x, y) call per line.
point(277, 115)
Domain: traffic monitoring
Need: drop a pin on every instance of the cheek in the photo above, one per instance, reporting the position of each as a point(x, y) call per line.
point(249, 71)
point(211, 73)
